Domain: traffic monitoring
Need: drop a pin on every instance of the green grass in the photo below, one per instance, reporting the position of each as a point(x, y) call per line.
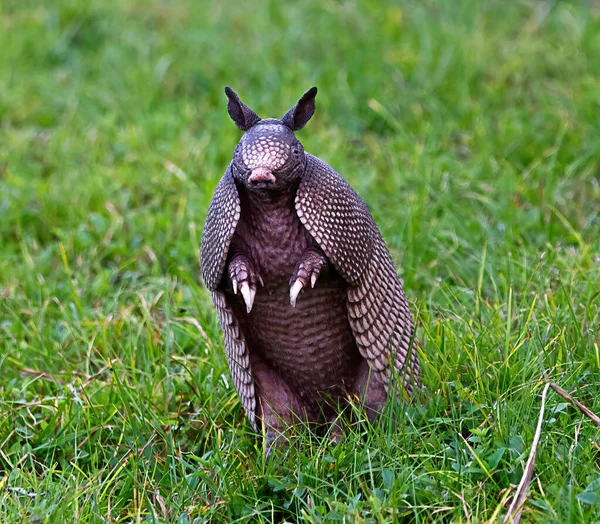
point(472, 130)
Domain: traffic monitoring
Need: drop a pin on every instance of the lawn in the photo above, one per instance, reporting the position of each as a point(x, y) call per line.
point(472, 131)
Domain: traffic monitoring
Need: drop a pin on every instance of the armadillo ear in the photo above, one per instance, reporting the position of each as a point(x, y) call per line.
point(241, 114)
point(297, 117)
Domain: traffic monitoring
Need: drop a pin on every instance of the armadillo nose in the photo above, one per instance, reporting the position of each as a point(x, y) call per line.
point(261, 177)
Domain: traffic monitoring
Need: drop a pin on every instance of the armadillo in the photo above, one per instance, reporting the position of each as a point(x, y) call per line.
point(311, 307)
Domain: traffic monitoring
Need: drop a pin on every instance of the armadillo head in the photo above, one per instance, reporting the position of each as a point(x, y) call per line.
point(269, 157)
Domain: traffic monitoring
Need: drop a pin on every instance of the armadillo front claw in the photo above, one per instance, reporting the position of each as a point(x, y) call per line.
point(244, 278)
point(248, 293)
point(309, 268)
point(295, 291)
point(313, 279)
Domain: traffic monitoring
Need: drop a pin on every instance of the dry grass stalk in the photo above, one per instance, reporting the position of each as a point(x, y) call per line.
point(516, 507)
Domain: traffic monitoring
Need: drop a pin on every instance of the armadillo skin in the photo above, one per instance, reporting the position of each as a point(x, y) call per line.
point(311, 345)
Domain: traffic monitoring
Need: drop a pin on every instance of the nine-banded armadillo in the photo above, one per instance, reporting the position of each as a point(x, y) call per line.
point(309, 301)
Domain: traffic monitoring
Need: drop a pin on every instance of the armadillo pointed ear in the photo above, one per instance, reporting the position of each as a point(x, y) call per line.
point(241, 114)
point(297, 117)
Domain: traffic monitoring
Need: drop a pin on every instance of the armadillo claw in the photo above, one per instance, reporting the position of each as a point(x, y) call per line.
point(295, 291)
point(310, 266)
point(244, 278)
point(313, 279)
point(248, 293)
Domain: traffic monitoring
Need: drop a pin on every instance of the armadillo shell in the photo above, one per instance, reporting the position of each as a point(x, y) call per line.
point(221, 221)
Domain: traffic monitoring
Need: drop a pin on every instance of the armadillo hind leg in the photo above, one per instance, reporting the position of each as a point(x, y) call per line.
point(370, 389)
point(279, 406)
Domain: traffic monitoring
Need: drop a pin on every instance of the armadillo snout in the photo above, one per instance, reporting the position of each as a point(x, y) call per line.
point(261, 177)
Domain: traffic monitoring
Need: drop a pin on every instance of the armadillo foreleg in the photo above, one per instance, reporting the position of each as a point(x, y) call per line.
point(244, 277)
point(310, 266)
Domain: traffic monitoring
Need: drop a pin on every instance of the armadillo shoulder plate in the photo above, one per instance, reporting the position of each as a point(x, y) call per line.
point(378, 312)
point(337, 218)
point(221, 221)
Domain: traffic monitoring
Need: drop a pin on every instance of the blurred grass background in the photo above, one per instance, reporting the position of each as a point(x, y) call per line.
point(471, 129)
